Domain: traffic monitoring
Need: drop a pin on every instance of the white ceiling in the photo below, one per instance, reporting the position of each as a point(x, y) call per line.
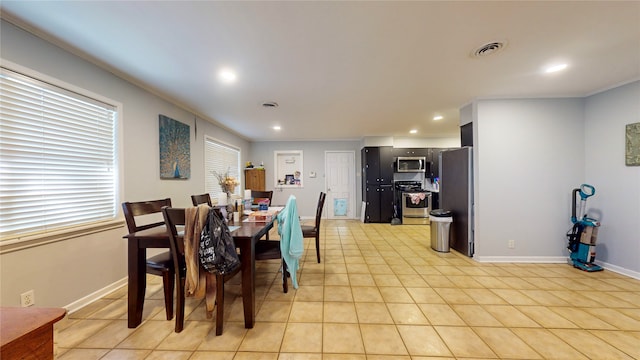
point(345, 70)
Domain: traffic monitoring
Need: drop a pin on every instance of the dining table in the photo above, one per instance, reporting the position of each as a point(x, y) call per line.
point(245, 235)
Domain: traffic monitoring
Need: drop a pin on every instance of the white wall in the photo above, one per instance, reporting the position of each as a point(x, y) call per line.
point(64, 272)
point(528, 157)
point(617, 199)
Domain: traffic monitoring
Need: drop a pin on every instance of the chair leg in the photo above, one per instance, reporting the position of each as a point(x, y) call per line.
point(219, 304)
point(168, 282)
point(318, 245)
point(285, 282)
point(180, 306)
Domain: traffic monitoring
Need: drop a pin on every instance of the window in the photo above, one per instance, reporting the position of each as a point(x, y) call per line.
point(220, 159)
point(57, 157)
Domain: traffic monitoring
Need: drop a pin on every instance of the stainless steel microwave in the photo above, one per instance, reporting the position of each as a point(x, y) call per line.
point(411, 164)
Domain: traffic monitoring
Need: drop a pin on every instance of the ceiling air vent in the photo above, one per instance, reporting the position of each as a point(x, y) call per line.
point(488, 49)
point(270, 104)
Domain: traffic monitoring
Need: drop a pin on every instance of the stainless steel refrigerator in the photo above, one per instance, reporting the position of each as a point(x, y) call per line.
point(456, 195)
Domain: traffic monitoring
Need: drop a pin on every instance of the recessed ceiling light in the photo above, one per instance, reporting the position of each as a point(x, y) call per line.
point(413, 131)
point(227, 75)
point(277, 127)
point(437, 117)
point(555, 68)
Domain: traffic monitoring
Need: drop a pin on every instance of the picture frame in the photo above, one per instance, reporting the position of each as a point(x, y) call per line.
point(175, 151)
point(632, 144)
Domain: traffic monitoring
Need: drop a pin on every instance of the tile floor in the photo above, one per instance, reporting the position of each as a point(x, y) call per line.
point(381, 293)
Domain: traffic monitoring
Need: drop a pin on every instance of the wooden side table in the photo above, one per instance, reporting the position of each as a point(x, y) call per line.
point(27, 333)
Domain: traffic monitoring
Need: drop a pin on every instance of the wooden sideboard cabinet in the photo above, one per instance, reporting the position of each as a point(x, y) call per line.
point(254, 179)
point(27, 332)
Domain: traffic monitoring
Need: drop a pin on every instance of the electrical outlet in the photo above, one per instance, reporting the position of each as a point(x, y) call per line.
point(512, 244)
point(28, 298)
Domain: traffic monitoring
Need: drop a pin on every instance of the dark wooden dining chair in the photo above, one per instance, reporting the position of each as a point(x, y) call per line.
point(309, 231)
point(261, 195)
point(270, 250)
point(175, 217)
point(161, 264)
point(201, 199)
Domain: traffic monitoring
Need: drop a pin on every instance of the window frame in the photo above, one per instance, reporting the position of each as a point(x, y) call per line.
point(211, 185)
point(17, 241)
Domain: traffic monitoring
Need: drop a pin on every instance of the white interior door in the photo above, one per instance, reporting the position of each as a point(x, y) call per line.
point(340, 184)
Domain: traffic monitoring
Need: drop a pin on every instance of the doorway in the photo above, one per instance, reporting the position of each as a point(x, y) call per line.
point(340, 183)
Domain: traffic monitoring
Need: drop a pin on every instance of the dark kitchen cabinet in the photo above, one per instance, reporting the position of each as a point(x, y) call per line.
point(434, 155)
point(377, 183)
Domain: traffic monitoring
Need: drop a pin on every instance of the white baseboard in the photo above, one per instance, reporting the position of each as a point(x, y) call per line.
point(96, 295)
point(552, 260)
point(522, 259)
point(619, 270)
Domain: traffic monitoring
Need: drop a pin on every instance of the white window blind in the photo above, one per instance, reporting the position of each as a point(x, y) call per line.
point(57, 157)
point(220, 159)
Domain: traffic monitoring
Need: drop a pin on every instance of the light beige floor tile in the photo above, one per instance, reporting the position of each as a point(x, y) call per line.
point(546, 318)
point(83, 354)
point(576, 298)
point(80, 331)
point(464, 282)
point(337, 293)
point(625, 342)
point(632, 313)
point(441, 314)
point(342, 338)
point(311, 279)
point(491, 282)
point(326, 356)
point(302, 337)
point(334, 269)
point(428, 270)
point(169, 355)
point(366, 294)
point(126, 354)
point(484, 296)
point(340, 312)
point(547, 344)
point(388, 279)
point(408, 314)
point(361, 280)
point(232, 335)
point(336, 279)
point(253, 355)
point(454, 296)
point(264, 337)
point(274, 311)
point(475, 315)
point(589, 344)
point(582, 318)
point(115, 310)
point(299, 356)
point(217, 355)
point(463, 342)
point(380, 269)
point(190, 337)
point(373, 313)
point(86, 311)
point(358, 268)
point(514, 297)
point(615, 318)
point(395, 295)
point(449, 270)
point(309, 293)
point(425, 296)
point(506, 344)
point(544, 297)
point(510, 316)
point(423, 341)
point(306, 311)
point(382, 339)
point(109, 336)
point(411, 281)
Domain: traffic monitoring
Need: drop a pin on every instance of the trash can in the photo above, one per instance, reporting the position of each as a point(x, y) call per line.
point(440, 223)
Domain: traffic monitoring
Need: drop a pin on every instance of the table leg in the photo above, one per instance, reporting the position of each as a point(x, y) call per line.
point(137, 282)
point(248, 268)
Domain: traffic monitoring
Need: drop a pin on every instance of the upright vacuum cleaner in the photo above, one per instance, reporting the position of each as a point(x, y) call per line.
point(584, 233)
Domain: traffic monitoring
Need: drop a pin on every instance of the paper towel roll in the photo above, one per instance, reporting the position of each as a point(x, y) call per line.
point(247, 194)
point(222, 199)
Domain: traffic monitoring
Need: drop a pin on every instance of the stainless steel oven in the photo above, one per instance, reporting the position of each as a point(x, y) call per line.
point(415, 207)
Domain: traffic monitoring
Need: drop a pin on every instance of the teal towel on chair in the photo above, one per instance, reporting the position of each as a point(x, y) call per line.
point(291, 241)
